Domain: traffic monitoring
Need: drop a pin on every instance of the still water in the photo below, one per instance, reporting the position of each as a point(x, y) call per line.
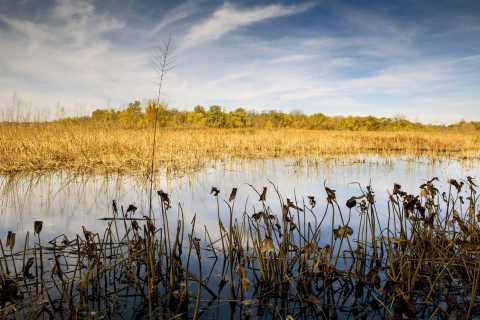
point(66, 201)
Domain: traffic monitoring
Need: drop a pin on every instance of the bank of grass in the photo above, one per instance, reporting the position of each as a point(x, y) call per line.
point(34, 147)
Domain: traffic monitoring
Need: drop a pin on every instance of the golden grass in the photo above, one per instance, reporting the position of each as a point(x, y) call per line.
point(33, 147)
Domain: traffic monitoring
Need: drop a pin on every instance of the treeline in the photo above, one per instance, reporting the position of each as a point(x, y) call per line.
point(141, 115)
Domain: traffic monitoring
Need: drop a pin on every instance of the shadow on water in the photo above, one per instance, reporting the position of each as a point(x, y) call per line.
point(355, 255)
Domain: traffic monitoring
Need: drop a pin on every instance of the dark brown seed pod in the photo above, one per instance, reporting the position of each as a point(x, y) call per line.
point(131, 208)
point(351, 203)
point(11, 239)
point(37, 227)
point(233, 195)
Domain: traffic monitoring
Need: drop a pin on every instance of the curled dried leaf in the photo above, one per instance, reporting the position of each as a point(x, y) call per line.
point(245, 284)
point(267, 244)
point(263, 195)
point(342, 232)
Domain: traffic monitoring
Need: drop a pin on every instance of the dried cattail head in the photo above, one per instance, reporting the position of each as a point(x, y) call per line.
point(11, 239)
point(233, 195)
point(9, 235)
point(37, 227)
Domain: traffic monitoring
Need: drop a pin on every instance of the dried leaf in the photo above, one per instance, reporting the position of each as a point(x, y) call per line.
point(241, 271)
point(257, 216)
point(215, 191)
point(312, 201)
point(375, 280)
point(263, 195)
point(245, 284)
point(267, 244)
point(392, 286)
point(342, 232)
point(351, 203)
point(131, 208)
point(399, 240)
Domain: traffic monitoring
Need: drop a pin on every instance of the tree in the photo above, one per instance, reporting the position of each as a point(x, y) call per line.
point(131, 117)
point(215, 117)
point(197, 118)
point(198, 108)
point(238, 119)
point(102, 117)
point(163, 115)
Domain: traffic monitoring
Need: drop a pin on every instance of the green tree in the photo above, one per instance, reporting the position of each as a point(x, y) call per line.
point(216, 117)
point(316, 121)
point(348, 123)
point(238, 119)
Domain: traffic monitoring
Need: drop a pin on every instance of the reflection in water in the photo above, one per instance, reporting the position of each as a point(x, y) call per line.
point(281, 255)
point(66, 202)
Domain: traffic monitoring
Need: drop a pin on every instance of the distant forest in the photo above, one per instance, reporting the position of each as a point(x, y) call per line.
point(141, 115)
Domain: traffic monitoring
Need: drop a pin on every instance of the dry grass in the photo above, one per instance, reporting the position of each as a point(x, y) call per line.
point(32, 147)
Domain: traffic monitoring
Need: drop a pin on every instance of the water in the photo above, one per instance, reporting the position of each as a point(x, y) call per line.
point(65, 202)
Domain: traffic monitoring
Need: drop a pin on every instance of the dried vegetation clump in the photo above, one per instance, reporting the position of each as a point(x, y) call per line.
point(33, 147)
point(423, 261)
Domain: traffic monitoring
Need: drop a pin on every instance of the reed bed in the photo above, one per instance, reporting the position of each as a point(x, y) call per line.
point(40, 147)
point(423, 262)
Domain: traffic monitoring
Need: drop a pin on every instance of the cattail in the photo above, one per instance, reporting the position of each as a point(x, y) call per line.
point(11, 239)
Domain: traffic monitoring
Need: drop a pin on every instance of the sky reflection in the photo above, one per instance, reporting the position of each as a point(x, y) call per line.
point(66, 202)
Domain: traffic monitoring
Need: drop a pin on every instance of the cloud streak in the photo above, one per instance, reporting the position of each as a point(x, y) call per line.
point(228, 18)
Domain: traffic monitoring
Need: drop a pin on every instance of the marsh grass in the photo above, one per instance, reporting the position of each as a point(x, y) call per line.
point(34, 147)
point(423, 262)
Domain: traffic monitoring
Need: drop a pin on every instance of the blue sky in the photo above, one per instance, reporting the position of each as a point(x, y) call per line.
point(380, 58)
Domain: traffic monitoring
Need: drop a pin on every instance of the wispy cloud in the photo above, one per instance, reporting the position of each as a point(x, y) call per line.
point(292, 58)
point(466, 58)
point(176, 14)
point(228, 18)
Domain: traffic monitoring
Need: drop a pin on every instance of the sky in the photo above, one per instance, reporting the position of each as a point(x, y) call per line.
point(380, 58)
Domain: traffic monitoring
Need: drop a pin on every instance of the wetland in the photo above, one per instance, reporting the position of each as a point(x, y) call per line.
point(302, 226)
